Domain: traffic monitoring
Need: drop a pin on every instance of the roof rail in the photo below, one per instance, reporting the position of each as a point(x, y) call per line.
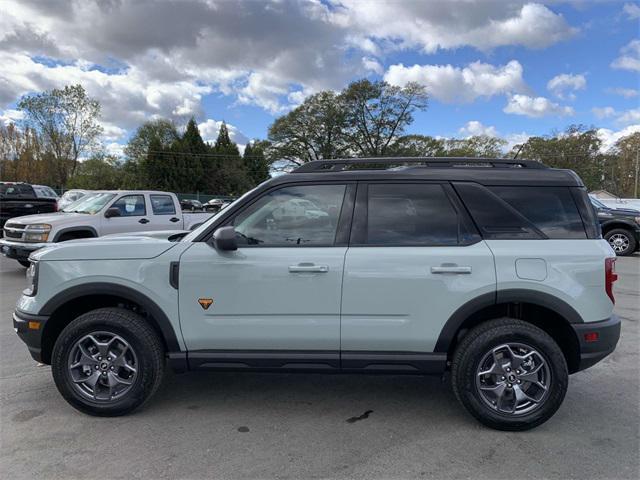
point(342, 164)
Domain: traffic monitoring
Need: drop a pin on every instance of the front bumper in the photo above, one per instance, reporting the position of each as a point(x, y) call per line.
point(19, 250)
point(29, 328)
point(597, 340)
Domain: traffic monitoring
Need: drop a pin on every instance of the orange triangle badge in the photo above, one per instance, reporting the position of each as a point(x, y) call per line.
point(205, 302)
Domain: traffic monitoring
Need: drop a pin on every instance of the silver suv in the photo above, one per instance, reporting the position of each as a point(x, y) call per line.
point(491, 270)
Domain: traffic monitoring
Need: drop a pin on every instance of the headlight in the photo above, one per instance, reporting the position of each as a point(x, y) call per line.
point(37, 233)
point(32, 280)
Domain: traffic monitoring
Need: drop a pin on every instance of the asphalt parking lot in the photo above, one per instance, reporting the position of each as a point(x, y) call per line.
point(213, 425)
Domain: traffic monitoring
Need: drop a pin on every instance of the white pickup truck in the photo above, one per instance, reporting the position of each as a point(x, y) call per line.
point(99, 213)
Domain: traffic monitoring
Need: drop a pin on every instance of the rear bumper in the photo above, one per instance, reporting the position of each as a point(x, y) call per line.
point(596, 340)
point(29, 328)
point(19, 250)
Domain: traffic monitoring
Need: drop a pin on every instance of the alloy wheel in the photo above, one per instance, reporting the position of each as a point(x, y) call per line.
point(513, 379)
point(102, 366)
point(619, 242)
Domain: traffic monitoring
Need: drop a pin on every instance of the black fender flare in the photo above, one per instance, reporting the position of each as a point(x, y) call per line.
point(542, 299)
point(75, 229)
point(104, 288)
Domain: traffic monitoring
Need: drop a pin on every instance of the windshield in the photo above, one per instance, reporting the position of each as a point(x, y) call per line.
point(195, 233)
point(90, 204)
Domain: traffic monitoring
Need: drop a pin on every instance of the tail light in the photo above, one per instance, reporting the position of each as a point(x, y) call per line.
point(610, 276)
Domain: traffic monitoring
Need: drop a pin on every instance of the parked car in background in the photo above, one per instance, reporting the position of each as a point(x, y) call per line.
point(620, 227)
point(71, 196)
point(492, 270)
point(191, 205)
point(18, 199)
point(214, 205)
point(96, 214)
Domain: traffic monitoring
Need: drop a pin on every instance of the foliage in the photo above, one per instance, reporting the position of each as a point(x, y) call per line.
point(99, 172)
point(255, 162)
point(66, 121)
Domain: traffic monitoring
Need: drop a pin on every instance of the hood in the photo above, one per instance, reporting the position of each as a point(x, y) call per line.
point(618, 212)
point(157, 234)
point(55, 218)
point(105, 248)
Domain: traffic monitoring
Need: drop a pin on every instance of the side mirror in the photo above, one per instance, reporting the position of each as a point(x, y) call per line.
point(224, 239)
point(112, 212)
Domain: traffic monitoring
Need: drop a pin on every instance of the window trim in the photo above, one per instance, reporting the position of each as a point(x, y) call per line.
point(173, 204)
point(344, 217)
point(144, 203)
point(361, 216)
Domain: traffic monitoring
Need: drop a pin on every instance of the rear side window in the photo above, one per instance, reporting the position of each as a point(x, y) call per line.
point(16, 190)
point(409, 214)
point(509, 212)
point(551, 209)
point(162, 205)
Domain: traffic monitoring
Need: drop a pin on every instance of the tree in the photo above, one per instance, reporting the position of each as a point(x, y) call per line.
point(312, 131)
point(475, 146)
point(377, 113)
point(67, 122)
point(623, 167)
point(417, 146)
point(255, 161)
point(577, 148)
point(190, 159)
point(99, 172)
point(162, 130)
point(231, 177)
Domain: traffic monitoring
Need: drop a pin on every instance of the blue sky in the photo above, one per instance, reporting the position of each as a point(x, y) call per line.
point(508, 68)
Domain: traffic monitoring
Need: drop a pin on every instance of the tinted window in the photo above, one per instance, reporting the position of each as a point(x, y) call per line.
point(550, 209)
point(130, 206)
point(410, 214)
point(292, 216)
point(162, 205)
point(16, 190)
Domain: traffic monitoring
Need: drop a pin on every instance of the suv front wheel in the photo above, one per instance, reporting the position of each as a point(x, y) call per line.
point(509, 374)
point(108, 362)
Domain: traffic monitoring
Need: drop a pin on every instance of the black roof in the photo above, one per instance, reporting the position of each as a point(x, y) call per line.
point(486, 171)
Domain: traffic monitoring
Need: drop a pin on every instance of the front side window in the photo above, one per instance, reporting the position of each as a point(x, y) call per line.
point(292, 216)
point(410, 214)
point(130, 206)
point(162, 205)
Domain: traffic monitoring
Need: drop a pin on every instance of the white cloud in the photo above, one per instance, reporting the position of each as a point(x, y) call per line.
point(514, 139)
point(475, 128)
point(632, 10)
point(431, 26)
point(603, 112)
point(563, 86)
point(461, 85)
point(629, 116)
point(623, 92)
point(629, 58)
point(535, 107)
point(11, 116)
point(209, 131)
point(610, 137)
point(372, 65)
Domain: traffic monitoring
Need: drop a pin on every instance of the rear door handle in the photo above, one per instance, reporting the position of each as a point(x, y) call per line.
point(450, 269)
point(174, 219)
point(308, 267)
point(143, 221)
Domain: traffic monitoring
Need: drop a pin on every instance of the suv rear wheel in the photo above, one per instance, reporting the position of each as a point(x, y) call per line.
point(108, 362)
point(509, 374)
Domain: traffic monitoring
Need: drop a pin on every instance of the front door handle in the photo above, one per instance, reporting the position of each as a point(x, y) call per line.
point(451, 269)
point(174, 219)
point(308, 268)
point(143, 221)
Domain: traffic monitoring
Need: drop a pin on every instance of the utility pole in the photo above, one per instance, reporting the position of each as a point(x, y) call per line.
point(635, 188)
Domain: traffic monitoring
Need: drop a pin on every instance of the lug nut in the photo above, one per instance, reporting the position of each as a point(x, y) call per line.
point(509, 385)
point(508, 369)
point(109, 358)
point(99, 358)
point(111, 367)
point(503, 378)
point(97, 367)
point(519, 381)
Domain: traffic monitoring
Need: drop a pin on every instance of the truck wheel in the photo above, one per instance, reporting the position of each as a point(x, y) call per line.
point(509, 374)
point(25, 263)
point(108, 362)
point(622, 241)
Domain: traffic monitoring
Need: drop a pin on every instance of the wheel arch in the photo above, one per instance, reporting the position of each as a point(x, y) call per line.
point(615, 224)
point(75, 301)
point(85, 229)
point(543, 310)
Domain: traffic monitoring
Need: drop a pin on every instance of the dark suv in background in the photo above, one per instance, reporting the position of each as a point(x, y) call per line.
point(620, 227)
point(18, 199)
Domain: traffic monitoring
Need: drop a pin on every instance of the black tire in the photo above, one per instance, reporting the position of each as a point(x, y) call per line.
point(25, 263)
point(488, 336)
point(141, 338)
point(628, 237)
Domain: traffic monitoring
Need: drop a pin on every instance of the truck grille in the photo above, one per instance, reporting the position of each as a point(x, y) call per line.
point(13, 231)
